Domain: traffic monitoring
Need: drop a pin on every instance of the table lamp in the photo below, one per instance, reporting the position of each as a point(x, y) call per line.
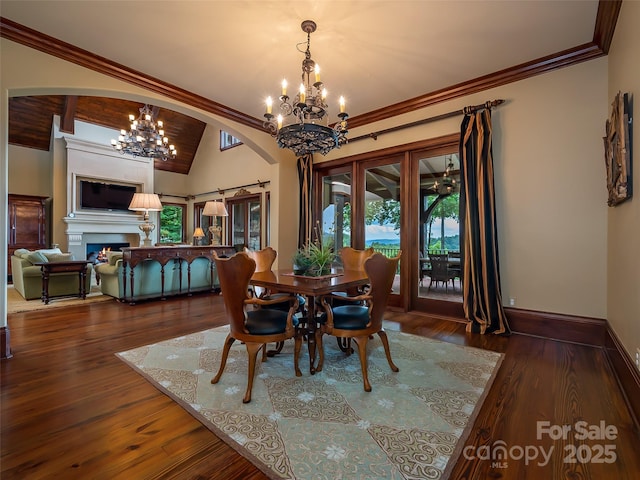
point(197, 235)
point(146, 202)
point(215, 209)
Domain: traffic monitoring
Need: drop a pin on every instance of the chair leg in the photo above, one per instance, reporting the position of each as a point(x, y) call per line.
point(252, 352)
point(223, 361)
point(344, 344)
point(319, 349)
point(362, 353)
point(271, 353)
point(296, 353)
point(385, 343)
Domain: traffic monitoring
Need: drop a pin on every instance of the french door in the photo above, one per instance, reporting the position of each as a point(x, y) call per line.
point(389, 202)
point(245, 219)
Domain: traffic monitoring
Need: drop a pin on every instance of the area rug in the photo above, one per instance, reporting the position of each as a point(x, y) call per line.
point(17, 304)
point(412, 425)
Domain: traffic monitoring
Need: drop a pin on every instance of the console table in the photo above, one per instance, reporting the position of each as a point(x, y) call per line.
point(48, 268)
point(132, 256)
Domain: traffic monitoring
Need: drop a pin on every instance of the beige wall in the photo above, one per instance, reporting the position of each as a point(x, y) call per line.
point(623, 221)
point(549, 172)
point(550, 184)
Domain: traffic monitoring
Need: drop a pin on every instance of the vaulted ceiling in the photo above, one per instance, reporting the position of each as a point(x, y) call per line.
point(226, 57)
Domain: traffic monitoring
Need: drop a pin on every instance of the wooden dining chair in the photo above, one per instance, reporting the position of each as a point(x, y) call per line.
point(358, 321)
point(255, 327)
point(352, 259)
point(264, 262)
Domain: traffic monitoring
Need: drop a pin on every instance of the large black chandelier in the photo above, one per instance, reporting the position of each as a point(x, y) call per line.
point(145, 138)
point(301, 124)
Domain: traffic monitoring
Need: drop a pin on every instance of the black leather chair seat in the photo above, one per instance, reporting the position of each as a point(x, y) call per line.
point(266, 321)
point(349, 317)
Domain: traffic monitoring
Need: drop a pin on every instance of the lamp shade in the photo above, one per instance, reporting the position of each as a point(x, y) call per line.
point(215, 209)
point(145, 202)
point(198, 232)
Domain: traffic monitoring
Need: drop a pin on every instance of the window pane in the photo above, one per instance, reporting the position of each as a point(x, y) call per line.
point(336, 209)
point(171, 224)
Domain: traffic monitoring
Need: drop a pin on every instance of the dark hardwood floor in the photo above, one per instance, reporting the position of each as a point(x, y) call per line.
point(72, 410)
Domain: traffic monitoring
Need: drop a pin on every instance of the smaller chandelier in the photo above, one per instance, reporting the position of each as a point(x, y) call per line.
point(146, 138)
point(448, 183)
point(302, 123)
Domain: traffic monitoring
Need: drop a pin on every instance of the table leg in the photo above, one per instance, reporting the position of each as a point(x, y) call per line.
point(45, 285)
point(82, 275)
point(311, 333)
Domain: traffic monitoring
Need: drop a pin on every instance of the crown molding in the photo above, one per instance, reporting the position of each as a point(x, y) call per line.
point(607, 16)
point(52, 46)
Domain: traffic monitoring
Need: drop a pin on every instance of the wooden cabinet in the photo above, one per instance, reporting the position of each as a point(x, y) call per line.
point(26, 224)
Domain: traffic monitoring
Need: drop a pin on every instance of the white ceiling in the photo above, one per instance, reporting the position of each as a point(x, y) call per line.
point(375, 52)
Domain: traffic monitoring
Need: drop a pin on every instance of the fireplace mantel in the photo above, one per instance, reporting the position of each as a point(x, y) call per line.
point(87, 228)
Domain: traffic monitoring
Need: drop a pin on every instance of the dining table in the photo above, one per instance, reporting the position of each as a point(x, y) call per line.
point(313, 288)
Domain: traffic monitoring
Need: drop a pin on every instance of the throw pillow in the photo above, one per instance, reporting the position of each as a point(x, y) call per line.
point(49, 250)
point(21, 251)
point(37, 257)
point(59, 257)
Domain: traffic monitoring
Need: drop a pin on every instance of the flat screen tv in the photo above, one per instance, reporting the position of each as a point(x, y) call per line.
point(105, 196)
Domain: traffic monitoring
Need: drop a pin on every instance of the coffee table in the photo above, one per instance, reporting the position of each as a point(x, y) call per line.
point(79, 266)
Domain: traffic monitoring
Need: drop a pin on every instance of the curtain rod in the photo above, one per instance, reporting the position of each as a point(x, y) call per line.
point(221, 191)
point(466, 110)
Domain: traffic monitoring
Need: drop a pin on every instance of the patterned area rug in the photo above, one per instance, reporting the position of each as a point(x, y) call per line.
point(325, 426)
point(16, 302)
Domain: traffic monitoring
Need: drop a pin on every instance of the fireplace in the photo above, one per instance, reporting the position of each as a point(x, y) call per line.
point(95, 251)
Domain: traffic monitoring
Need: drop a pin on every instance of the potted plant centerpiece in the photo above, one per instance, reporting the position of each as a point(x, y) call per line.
point(314, 259)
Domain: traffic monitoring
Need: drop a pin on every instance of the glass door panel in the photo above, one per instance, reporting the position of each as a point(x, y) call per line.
point(238, 226)
point(245, 220)
point(382, 212)
point(254, 224)
point(439, 228)
point(336, 210)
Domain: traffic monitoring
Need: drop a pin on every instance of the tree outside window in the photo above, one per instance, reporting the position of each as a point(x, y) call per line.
point(172, 223)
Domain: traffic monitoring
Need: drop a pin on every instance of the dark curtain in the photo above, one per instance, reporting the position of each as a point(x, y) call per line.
point(482, 299)
point(305, 166)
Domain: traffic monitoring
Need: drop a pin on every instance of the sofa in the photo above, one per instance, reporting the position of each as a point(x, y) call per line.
point(147, 278)
point(27, 277)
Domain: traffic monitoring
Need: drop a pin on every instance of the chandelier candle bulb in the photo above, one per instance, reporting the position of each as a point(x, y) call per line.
point(342, 105)
point(317, 71)
point(284, 88)
point(324, 94)
point(269, 105)
point(279, 122)
point(302, 93)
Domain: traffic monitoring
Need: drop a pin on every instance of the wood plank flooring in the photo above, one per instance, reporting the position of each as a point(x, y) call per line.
point(72, 410)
